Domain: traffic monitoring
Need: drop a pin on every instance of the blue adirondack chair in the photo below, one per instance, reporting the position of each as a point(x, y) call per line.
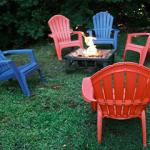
point(104, 33)
point(9, 69)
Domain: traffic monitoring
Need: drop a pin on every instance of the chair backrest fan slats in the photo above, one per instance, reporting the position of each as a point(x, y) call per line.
point(103, 22)
point(60, 26)
point(121, 93)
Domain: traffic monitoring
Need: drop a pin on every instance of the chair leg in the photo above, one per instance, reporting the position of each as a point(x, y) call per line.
point(99, 124)
point(142, 58)
point(81, 45)
point(59, 55)
point(42, 78)
point(115, 45)
point(143, 121)
point(58, 52)
point(124, 55)
point(23, 84)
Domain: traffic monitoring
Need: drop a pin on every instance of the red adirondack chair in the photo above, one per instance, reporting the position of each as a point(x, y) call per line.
point(142, 50)
point(61, 33)
point(119, 91)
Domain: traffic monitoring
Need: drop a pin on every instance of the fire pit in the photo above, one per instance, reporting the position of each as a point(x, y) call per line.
point(82, 53)
point(81, 58)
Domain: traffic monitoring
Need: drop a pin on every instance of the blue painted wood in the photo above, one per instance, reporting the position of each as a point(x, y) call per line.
point(8, 68)
point(103, 31)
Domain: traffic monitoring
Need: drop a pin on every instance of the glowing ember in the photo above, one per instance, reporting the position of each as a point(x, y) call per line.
point(89, 53)
point(99, 54)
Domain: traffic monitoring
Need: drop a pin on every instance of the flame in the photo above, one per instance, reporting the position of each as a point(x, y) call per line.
point(91, 50)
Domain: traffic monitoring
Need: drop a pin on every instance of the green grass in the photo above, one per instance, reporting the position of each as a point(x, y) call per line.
point(55, 117)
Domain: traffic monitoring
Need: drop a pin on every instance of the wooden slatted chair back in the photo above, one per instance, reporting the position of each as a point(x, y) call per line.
point(103, 22)
point(122, 90)
point(60, 27)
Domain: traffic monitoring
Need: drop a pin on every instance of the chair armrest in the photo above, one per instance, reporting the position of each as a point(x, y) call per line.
point(131, 35)
point(87, 90)
point(50, 35)
point(71, 30)
point(116, 31)
point(3, 62)
point(22, 51)
point(138, 34)
point(79, 33)
point(90, 32)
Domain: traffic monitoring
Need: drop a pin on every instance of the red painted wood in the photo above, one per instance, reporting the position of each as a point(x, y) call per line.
point(121, 91)
point(142, 50)
point(61, 34)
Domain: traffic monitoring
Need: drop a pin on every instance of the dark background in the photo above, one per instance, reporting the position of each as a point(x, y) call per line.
point(23, 22)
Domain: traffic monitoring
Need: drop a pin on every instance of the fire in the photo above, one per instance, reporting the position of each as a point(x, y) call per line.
point(91, 50)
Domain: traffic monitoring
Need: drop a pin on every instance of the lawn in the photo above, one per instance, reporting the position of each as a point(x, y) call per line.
point(55, 115)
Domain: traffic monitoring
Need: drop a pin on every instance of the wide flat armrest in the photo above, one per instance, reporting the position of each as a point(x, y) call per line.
point(90, 32)
point(138, 34)
point(116, 30)
point(5, 61)
point(22, 51)
point(131, 35)
point(76, 32)
point(50, 35)
point(71, 30)
point(87, 90)
point(19, 51)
